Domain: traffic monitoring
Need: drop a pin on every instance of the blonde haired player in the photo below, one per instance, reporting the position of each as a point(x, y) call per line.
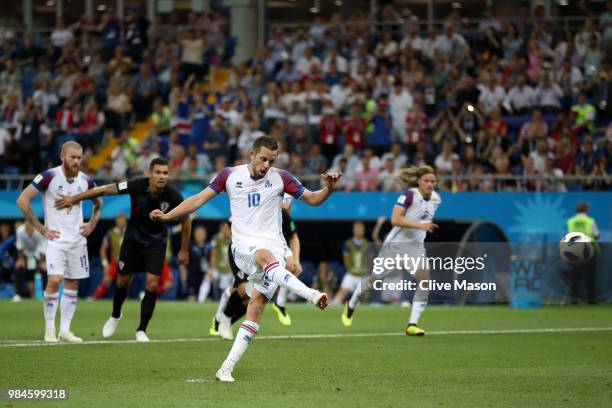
point(255, 193)
point(411, 219)
point(66, 234)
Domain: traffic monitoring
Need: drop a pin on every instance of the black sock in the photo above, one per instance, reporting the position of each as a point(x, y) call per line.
point(118, 299)
point(216, 325)
point(147, 306)
point(239, 312)
point(233, 303)
point(349, 312)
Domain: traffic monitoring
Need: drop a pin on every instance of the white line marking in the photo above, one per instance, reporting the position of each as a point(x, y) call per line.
point(36, 343)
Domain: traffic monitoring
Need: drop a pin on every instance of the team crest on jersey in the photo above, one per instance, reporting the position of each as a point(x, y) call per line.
point(121, 265)
point(164, 206)
point(60, 187)
point(239, 184)
point(79, 189)
point(268, 183)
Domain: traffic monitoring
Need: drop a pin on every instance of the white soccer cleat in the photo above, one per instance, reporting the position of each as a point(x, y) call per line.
point(69, 337)
point(110, 326)
point(225, 327)
point(224, 375)
point(320, 300)
point(50, 336)
point(142, 336)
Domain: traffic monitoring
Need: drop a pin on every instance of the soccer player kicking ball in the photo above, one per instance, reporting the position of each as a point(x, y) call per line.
point(256, 193)
point(411, 219)
point(144, 246)
point(66, 253)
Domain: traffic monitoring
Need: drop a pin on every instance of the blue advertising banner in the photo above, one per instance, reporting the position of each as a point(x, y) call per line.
point(522, 216)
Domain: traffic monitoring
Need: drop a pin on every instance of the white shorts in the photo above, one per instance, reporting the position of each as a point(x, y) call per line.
point(71, 263)
point(224, 280)
point(244, 256)
point(350, 282)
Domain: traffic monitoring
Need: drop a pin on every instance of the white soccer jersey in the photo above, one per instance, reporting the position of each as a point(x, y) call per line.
point(53, 184)
point(256, 203)
point(417, 209)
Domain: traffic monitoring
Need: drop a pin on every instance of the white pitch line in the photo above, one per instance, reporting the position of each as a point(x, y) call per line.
point(37, 343)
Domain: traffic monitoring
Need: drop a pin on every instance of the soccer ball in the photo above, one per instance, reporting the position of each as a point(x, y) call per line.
point(576, 248)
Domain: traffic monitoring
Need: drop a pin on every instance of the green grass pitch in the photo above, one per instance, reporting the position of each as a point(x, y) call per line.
point(472, 357)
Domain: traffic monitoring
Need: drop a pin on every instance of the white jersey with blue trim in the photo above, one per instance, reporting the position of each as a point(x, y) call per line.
point(417, 209)
point(256, 202)
point(52, 184)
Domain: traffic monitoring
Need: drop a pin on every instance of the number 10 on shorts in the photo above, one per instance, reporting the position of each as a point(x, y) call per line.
point(253, 199)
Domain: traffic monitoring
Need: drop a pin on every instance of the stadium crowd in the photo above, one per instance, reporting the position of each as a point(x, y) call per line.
point(503, 99)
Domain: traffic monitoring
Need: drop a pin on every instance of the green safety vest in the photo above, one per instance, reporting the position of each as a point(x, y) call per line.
point(583, 113)
point(357, 257)
point(581, 223)
point(116, 238)
point(221, 247)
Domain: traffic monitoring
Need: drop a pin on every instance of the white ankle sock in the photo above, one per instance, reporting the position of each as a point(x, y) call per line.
point(248, 330)
point(419, 301)
point(67, 308)
point(50, 302)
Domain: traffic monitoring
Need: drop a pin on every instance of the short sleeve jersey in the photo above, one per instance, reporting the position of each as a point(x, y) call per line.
point(141, 230)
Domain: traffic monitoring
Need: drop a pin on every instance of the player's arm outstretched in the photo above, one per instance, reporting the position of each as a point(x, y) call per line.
point(186, 207)
point(315, 198)
point(398, 220)
point(24, 202)
point(69, 201)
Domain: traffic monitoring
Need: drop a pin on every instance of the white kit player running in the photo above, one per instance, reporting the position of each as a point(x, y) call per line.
point(411, 219)
point(66, 253)
point(255, 192)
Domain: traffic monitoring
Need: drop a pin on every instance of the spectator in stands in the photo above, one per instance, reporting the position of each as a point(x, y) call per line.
point(192, 54)
point(451, 45)
point(400, 103)
point(367, 176)
point(109, 29)
point(30, 133)
point(416, 124)
point(491, 96)
point(584, 115)
point(380, 127)
point(587, 161)
point(521, 98)
point(354, 128)
point(118, 110)
point(554, 177)
point(444, 160)
point(531, 131)
point(11, 111)
point(541, 155)
point(146, 154)
point(143, 90)
point(548, 96)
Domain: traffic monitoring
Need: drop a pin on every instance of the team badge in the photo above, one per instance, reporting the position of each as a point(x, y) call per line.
point(164, 206)
point(121, 265)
